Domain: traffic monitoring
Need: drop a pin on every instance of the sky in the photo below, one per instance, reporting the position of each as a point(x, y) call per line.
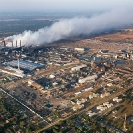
point(63, 5)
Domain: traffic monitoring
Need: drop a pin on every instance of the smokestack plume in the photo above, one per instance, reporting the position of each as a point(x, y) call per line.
point(66, 28)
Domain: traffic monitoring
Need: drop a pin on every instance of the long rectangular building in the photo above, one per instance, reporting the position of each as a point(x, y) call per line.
point(12, 71)
point(89, 79)
point(77, 68)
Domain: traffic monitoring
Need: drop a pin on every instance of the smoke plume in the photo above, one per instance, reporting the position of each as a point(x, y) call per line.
point(76, 26)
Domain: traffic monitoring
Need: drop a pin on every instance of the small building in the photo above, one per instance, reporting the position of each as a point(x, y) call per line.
point(88, 79)
point(52, 76)
point(77, 68)
point(77, 93)
point(88, 89)
point(109, 84)
point(116, 99)
point(80, 49)
point(101, 107)
point(76, 107)
point(90, 113)
point(34, 84)
point(104, 51)
point(91, 96)
point(81, 101)
point(105, 94)
point(107, 104)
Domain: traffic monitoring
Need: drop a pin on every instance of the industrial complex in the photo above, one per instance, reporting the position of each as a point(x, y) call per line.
point(57, 82)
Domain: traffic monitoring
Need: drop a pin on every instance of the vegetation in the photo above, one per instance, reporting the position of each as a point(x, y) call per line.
point(78, 124)
point(13, 117)
point(9, 28)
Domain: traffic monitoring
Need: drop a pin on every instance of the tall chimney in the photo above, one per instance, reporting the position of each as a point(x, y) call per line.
point(12, 44)
point(20, 43)
point(16, 43)
point(18, 64)
point(4, 43)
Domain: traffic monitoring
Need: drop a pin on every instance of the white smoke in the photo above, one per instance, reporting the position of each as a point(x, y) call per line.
point(76, 26)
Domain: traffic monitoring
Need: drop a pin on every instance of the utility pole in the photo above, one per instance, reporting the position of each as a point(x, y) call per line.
point(124, 125)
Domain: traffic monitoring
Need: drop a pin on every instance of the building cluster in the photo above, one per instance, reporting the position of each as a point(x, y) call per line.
point(78, 104)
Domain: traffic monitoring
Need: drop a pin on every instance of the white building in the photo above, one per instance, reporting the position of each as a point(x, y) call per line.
point(77, 93)
point(76, 107)
point(88, 89)
point(109, 84)
point(90, 96)
point(101, 107)
point(13, 71)
point(116, 99)
point(107, 104)
point(88, 79)
point(77, 68)
point(80, 49)
point(90, 113)
point(105, 95)
point(52, 76)
point(81, 101)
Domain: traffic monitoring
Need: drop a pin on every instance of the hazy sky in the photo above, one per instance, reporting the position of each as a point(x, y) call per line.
point(64, 5)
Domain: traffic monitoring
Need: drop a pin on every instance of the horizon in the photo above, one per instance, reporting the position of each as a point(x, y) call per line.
point(65, 5)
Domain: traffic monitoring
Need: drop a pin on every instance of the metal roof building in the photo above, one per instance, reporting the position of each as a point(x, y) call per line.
point(24, 64)
point(12, 71)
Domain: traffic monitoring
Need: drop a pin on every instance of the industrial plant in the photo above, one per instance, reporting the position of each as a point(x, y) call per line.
point(57, 81)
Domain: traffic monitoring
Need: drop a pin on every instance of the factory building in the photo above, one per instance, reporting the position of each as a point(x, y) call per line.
point(13, 67)
point(12, 71)
point(88, 79)
point(26, 65)
point(78, 68)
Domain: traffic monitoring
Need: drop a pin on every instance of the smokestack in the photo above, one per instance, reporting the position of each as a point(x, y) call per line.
point(4, 43)
point(18, 64)
point(20, 43)
point(16, 43)
point(12, 44)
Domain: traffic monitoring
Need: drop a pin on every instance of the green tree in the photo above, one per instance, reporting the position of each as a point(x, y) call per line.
point(21, 124)
point(28, 130)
